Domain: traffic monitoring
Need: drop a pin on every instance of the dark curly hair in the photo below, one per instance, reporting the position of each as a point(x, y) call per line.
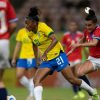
point(33, 14)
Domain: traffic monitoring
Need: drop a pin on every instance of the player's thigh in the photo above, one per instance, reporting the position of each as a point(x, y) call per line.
point(31, 72)
point(84, 68)
point(68, 74)
point(20, 72)
point(4, 49)
point(41, 73)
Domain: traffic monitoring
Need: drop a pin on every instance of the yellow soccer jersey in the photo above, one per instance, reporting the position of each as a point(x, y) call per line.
point(41, 39)
point(27, 47)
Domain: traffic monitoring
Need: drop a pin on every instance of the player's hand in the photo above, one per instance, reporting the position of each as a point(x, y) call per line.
point(44, 57)
point(76, 46)
point(13, 62)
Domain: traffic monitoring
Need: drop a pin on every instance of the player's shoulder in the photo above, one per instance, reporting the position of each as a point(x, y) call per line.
point(67, 33)
point(79, 33)
point(22, 30)
point(98, 28)
point(42, 24)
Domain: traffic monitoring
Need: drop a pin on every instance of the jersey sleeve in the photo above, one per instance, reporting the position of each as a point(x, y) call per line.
point(11, 13)
point(97, 34)
point(19, 36)
point(46, 29)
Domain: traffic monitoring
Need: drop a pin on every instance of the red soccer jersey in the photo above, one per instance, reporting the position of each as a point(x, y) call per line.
point(94, 51)
point(7, 15)
point(67, 40)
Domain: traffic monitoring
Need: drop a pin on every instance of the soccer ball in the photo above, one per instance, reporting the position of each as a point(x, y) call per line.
point(87, 10)
point(11, 97)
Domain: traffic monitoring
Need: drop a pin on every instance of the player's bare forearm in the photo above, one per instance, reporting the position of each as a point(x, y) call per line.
point(53, 43)
point(35, 49)
point(89, 44)
point(82, 40)
point(16, 50)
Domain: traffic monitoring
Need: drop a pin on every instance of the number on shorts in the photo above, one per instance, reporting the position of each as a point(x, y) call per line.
point(3, 25)
point(59, 60)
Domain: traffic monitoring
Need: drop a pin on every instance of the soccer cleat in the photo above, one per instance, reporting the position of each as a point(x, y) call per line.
point(95, 95)
point(81, 94)
point(75, 97)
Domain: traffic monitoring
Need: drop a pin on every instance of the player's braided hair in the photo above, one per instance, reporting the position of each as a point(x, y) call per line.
point(33, 14)
point(90, 15)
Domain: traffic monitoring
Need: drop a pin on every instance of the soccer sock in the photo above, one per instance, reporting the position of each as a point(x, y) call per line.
point(87, 81)
point(38, 92)
point(31, 87)
point(75, 88)
point(28, 83)
point(3, 94)
point(85, 86)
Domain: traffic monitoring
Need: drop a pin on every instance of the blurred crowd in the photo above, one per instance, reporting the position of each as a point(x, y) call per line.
point(56, 13)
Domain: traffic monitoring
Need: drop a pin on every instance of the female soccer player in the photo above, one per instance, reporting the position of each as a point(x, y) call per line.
point(25, 61)
point(92, 40)
point(53, 57)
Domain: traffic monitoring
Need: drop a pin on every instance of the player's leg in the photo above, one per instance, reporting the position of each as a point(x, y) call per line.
point(3, 91)
point(84, 68)
point(67, 73)
point(30, 75)
point(4, 56)
point(41, 73)
point(76, 89)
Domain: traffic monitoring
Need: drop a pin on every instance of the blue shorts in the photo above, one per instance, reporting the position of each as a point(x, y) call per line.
point(56, 64)
point(26, 63)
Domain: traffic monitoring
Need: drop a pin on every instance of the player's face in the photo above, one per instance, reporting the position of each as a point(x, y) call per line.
point(73, 27)
point(30, 25)
point(90, 26)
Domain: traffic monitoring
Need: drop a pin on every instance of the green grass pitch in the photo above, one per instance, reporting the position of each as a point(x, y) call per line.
point(48, 93)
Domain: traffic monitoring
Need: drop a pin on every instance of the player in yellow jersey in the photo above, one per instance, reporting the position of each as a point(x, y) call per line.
point(25, 61)
point(53, 57)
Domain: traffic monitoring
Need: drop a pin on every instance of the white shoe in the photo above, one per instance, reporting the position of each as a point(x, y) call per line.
point(30, 98)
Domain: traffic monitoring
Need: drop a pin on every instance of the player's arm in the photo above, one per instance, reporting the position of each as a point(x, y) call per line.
point(12, 19)
point(12, 27)
point(16, 53)
point(94, 42)
point(35, 49)
point(73, 48)
point(51, 46)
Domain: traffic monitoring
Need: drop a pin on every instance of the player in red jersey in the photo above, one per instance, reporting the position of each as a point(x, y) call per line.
point(7, 25)
point(91, 39)
point(75, 58)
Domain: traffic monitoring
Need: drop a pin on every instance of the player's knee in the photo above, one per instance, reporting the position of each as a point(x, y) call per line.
point(36, 81)
point(72, 80)
point(79, 73)
point(19, 76)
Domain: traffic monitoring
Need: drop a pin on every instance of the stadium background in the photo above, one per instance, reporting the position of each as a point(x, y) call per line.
point(55, 13)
